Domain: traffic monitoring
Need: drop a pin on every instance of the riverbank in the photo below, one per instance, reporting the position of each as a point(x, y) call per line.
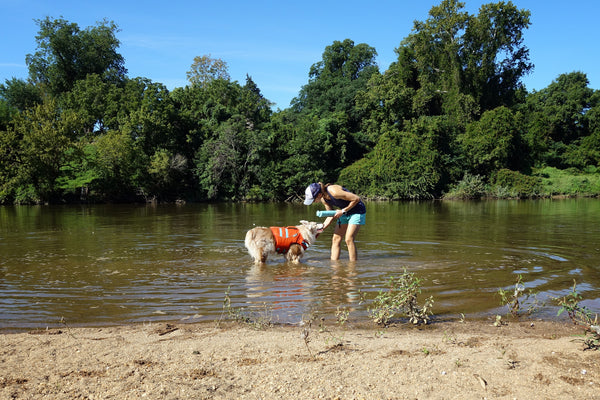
point(445, 360)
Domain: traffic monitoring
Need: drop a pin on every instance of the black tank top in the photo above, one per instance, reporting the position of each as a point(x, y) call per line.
point(340, 203)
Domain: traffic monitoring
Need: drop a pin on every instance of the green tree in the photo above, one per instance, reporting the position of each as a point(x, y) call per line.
point(205, 69)
point(461, 65)
point(590, 145)
point(118, 164)
point(564, 104)
point(335, 84)
point(335, 80)
point(493, 142)
point(90, 98)
point(413, 163)
point(66, 54)
point(150, 115)
point(20, 94)
point(494, 57)
point(430, 57)
point(222, 124)
point(33, 152)
point(387, 103)
point(560, 120)
point(6, 114)
point(79, 173)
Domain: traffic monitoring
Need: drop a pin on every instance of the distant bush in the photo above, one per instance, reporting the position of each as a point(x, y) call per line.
point(515, 184)
point(470, 187)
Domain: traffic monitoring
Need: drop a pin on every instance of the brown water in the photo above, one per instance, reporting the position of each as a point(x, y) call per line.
point(109, 264)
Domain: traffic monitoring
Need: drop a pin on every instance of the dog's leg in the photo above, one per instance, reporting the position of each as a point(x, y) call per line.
point(295, 253)
point(263, 255)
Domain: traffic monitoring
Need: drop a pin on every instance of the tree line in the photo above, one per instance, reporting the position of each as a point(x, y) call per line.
point(449, 116)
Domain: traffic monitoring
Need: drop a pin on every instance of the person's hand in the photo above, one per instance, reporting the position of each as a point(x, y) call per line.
point(338, 213)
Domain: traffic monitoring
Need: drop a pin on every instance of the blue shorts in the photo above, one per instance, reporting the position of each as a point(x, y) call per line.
point(354, 219)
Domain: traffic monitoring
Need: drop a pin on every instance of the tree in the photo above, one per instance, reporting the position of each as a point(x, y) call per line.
point(90, 98)
point(222, 161)
point(461, 65)
point(118, 164)
point(564, 103)
point(560, 120)
point(205, 69)
point(335, 80)
point(67, 54)
point(221, 128)
point(20, 94)
point(493, 142)
point(412, 163)
point(254, 106)
point(33, 152)
point(494, 56)
point(335, 85)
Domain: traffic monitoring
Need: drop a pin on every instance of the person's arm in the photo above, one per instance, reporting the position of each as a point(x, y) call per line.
point(328, 219)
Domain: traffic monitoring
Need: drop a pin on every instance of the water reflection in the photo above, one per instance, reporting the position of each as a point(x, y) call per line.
point(115, 264)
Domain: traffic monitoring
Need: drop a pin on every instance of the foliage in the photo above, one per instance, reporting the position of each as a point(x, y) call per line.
point(408, 164)
point(571, 182)
point(470, 187)
point(516, 184)
point(400, 297)
point(493, 142)
point(582, 316)
point(33, 151)
point(67, 54)
point(459, 64)
point(256, 319)
point(449, 115)
point(516, 299)
point(563, 105)
point(19, 94)
point(205, 69)
point(334, 81)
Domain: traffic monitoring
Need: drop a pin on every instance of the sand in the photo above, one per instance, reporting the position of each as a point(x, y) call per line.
point(443, 360)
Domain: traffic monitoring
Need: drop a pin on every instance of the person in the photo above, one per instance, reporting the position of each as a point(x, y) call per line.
point(351, 214)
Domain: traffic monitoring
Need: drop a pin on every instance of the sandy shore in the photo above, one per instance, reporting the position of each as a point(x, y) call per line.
point(447, 360)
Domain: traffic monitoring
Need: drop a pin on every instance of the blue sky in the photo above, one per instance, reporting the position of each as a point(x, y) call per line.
point(276, 42)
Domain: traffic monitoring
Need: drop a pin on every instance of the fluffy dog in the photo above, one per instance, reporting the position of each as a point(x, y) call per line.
point(291, 241)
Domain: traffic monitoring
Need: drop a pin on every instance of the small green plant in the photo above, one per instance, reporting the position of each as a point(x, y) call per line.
point(449, 338)
point(582, 316)
point(333, 339)
point(306, 325)
point(498, 321)
point(341, 317)
point(578, 314)
point(258, 320)
point(516, 299)
point(401, 297)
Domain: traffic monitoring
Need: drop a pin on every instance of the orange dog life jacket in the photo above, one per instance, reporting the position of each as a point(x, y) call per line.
point(285, 237)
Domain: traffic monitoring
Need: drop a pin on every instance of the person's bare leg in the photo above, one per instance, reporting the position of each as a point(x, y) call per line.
point(350, 235)
point(336, 241)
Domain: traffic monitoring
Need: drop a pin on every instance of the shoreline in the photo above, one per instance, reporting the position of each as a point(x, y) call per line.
point(444, 360)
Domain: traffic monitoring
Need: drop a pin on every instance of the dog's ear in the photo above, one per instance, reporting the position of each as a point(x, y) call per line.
point(303, 222)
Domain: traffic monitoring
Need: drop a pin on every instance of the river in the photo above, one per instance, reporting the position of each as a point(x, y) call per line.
point(113, 264)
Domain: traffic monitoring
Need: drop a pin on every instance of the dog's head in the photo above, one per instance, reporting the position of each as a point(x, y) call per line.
point(310, 230)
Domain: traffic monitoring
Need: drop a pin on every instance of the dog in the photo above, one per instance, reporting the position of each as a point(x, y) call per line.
point(291, 241)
